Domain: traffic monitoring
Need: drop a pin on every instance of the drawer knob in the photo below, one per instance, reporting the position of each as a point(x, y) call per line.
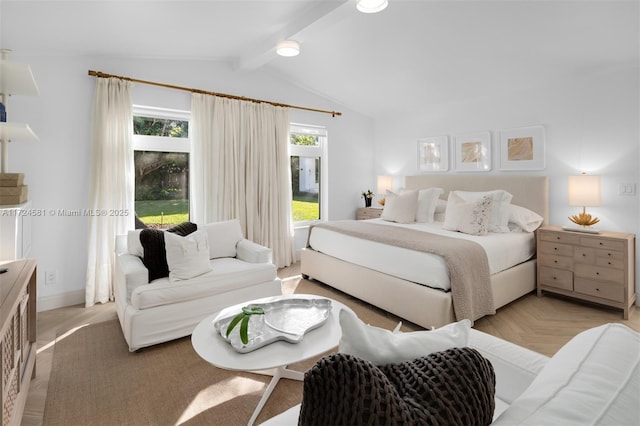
point(597, 289)
point(601, 243)
point(584, 255)
point(609, 263)
point(557, 238)
point(555, 248)
point(555, 261)
point(554, 277)
point(609, 254)
point(597, 273)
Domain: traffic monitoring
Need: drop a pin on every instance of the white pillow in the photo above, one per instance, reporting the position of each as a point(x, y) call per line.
point(223, 237)
point(499, 220)
point(593, 379)
point(187, 257)
point(134, 246)
point(380, 346)
point(523, 219)
point(401, 208)
point(469, 217)
point(427, 202)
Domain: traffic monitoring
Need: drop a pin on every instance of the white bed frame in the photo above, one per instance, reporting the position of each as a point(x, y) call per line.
point(419, 304)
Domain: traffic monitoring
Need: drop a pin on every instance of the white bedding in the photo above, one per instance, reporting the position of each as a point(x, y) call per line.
point(504, 250)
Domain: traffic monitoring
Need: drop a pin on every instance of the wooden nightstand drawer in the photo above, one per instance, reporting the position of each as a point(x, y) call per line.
point(600, 273)
point(584, 255)
point(557, 249)
point(558, 278)
point(614, 259)
point(368, 213)
point(554, 261)
point(602, 243)
point(559, 237)
point(599, 289)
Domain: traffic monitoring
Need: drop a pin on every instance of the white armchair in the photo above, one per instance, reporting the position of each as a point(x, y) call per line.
point(166, 309)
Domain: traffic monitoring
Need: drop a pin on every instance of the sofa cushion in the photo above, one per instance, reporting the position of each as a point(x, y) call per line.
point(227, 274)
point(155, 255)
point(380, 346)
point(187, 257)
point(223, 237)
point(593, 379)
point(455, 386)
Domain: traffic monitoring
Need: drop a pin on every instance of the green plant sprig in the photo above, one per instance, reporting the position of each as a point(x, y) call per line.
point(243, 318)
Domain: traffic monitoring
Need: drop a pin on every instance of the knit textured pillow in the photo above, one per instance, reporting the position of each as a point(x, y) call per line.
point(452, 387)
point(155, 256)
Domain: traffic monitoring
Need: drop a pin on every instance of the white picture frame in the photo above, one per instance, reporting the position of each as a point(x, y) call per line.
point(522, 148)
point(472, 152)
point(433, 154)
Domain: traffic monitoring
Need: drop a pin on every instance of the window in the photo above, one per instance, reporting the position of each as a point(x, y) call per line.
point(161, 164)
point(308, 173)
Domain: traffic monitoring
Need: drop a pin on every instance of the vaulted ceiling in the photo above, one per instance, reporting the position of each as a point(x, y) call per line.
point(413, 52)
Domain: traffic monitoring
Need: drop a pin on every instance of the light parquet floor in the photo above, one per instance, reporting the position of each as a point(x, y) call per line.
point(542, 324)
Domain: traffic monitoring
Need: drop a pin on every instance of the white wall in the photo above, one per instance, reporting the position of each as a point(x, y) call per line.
point(591, 124)
point(57, 168)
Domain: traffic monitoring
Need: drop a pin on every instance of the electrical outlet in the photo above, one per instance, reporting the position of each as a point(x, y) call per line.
point(627, 188)
point(50, 277)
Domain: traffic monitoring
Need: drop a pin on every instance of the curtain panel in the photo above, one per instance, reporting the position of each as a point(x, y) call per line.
point(111, 183)
point(241, 169)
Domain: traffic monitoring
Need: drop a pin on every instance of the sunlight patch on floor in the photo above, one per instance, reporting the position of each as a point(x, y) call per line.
point(59, 338)
point(220, 393)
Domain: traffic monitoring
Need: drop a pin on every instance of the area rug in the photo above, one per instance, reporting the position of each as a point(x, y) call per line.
point(95, 380)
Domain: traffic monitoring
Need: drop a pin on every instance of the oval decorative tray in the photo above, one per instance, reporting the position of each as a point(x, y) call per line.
point(287, 319)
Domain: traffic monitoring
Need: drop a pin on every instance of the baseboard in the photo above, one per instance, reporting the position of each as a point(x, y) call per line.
point(46, 303)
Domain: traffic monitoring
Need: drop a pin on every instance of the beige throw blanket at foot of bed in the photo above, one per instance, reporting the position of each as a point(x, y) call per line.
point(467, 261)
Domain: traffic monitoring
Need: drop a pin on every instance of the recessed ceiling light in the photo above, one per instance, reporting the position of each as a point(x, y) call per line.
point(371, 6)
point(288, 48)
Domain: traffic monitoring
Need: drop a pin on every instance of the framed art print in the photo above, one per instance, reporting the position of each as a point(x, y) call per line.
point(433, 154)
point(522, 148)
point(473, 152)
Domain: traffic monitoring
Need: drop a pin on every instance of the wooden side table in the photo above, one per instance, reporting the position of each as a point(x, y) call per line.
point(599, 268)
point(368, 213)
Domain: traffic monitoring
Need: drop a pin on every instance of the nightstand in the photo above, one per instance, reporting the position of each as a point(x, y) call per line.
point(368, 213)
point(598, 268)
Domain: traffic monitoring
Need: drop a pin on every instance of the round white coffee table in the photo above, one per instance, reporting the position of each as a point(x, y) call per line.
point(271, 359)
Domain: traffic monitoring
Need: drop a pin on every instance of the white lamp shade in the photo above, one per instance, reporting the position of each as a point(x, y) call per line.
point(584, 190)
point(288, 48)
point(17, 132)
point(17, 79)
point(371, 6)
point(385, 183)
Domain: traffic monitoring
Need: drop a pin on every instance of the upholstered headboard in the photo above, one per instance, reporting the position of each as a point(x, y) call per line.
point(531, 192)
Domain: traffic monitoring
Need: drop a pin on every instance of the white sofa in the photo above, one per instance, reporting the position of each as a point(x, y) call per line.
point(167, 309)
point(593, 379)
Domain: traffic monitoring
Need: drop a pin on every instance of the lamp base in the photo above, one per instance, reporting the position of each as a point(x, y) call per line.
point(585, 230)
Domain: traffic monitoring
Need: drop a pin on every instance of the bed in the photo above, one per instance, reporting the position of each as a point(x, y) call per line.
point(398, 291)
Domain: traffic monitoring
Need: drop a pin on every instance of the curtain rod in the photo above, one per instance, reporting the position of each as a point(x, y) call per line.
point(223, 95)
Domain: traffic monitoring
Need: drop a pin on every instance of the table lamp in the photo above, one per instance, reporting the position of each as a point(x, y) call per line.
point(385, 183)
point(584, 191)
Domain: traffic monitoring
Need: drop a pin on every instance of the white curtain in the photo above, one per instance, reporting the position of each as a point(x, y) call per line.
point(241, 169)
point(111, 192)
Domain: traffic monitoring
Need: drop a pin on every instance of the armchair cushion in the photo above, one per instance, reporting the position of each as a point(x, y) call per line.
point(455, 386)
point(154, 254)
point(223, 238)
point(187, 257)
point(380, 346)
